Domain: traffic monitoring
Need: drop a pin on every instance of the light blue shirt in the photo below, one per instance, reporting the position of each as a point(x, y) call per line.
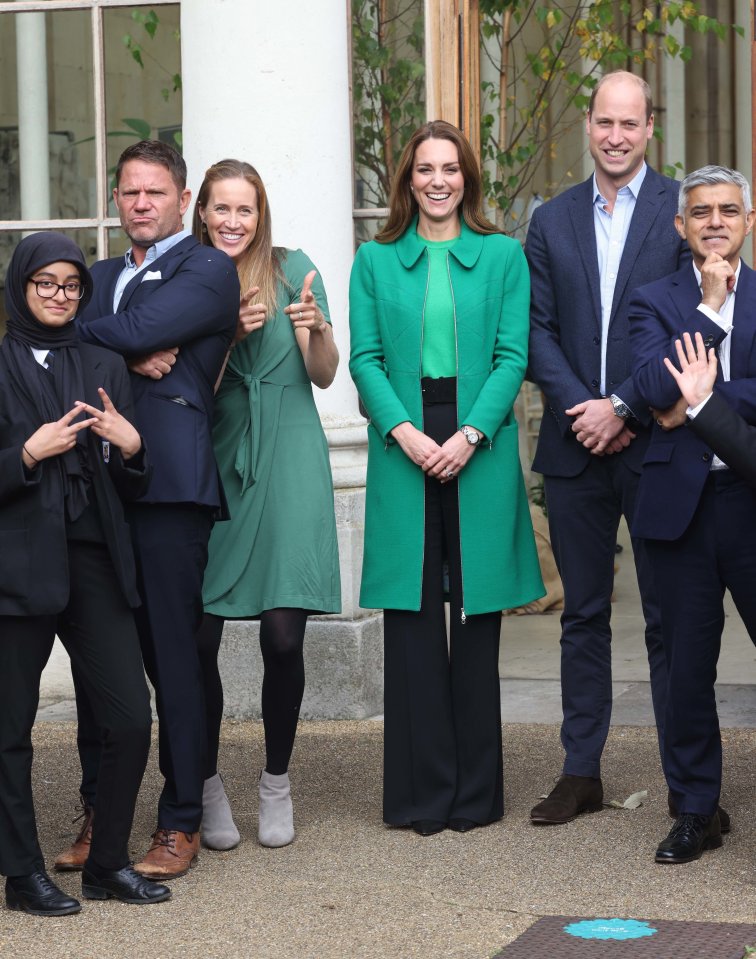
point(611, 234)
point(130, 268)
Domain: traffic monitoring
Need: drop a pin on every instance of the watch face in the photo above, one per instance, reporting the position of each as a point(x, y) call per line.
point(471, 436)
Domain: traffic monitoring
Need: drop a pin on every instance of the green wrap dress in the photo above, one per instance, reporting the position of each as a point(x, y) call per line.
point(279, 548)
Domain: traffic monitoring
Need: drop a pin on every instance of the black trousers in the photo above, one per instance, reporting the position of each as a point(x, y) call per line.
point(170, 545)
point(716, 552)
point(97, 629)
point(584, 514)
point(442, 725)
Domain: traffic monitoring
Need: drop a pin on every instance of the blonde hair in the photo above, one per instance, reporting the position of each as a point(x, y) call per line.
point(403, 205)
point(260, 264)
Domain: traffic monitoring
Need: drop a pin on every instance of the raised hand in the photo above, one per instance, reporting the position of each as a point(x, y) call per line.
point(697, 372)
point(252, 316)
point(306, 314)
point(717, 280)
point(52, 439)
point(110, 425)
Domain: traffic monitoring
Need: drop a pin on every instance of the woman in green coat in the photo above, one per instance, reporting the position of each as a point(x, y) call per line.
point(439, 330)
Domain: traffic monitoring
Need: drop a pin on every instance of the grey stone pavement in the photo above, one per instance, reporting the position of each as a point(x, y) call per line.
point(350, 887)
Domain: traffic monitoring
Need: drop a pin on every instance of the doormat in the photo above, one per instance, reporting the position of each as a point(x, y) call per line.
point(575, 937)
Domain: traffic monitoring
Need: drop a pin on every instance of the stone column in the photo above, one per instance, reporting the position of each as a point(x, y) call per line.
point(281, 101)
point(33, 149)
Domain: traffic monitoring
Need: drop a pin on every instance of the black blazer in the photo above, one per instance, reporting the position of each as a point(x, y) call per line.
point(188, 297)
point(729, 435)
point(33, 547)
point(565, 311)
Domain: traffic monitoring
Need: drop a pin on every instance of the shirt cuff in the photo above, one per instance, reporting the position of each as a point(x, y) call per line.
point(693, 411)
point(715, 317)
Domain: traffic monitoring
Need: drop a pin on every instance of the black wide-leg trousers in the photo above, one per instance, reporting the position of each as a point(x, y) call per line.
point(442, 707)
point(97, 629)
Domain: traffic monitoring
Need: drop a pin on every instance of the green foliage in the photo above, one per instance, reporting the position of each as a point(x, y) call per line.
point(547, 74)
point(150, 23)
point(388, 89)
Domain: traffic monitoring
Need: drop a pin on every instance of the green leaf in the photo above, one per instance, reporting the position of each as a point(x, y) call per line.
point(141, 127)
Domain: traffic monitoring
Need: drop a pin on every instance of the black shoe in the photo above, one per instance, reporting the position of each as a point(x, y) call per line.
point(689, 837)
point(724, 816)
point(428, 827)
point(124, 884)
point(571, 796)
point(458, 824)
point(38, 895)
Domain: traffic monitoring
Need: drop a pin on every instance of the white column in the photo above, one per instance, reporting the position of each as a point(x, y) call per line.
point(269, 83)
point(33, 139)
point(672, 119)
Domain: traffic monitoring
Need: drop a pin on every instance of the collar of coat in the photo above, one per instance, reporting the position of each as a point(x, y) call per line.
point(410, 247)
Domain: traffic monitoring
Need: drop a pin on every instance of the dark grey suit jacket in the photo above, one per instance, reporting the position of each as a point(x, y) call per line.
point(565, 312)
point(729, 435)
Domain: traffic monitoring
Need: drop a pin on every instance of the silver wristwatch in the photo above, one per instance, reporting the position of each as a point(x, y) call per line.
point(472, 436)
point(620, 409)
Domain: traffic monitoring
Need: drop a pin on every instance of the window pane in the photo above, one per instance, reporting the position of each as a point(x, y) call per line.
point(388, 77)
point(58, 182)
point(142, 77)
point(365, 230)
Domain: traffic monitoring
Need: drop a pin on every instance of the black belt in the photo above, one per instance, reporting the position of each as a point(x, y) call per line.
point(442, 389)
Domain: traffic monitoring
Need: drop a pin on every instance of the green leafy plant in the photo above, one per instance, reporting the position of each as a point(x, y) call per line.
point(150, 23)
point(547, 58)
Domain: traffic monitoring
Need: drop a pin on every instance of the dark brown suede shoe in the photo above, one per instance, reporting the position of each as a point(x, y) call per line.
point(172, 854)
point(724, 816)
point(73, 858)
point(571, 796)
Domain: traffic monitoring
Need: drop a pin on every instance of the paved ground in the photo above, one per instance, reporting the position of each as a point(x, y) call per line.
point(350, 887)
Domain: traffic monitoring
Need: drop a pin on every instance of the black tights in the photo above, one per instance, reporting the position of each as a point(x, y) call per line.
point(282, 644)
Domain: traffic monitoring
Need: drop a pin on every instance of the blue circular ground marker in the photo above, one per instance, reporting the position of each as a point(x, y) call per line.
point(610, 929)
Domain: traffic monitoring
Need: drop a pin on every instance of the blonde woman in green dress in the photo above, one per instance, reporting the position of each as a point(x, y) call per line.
point(277, 558)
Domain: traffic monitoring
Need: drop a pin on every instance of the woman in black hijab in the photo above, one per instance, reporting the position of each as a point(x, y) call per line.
point(67, 457)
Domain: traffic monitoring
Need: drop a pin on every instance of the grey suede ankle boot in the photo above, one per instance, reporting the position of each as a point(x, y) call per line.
point(276, 826)
point(218, 829)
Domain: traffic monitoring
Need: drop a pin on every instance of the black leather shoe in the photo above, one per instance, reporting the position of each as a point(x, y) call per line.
point(458, 824)
point(124, 884)
point(428, 827)
point(724, 816)
point(38, 895)
point(571, 796)
point(689, 837)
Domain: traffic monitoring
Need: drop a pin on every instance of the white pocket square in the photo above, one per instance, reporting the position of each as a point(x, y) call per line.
point(152, 275)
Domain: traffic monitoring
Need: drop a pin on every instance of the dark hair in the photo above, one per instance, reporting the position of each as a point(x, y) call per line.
point(259, 265)
point(624, 75)
point(403, 205)
point(155, 151)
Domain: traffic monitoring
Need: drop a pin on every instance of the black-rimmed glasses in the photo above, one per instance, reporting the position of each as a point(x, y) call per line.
point(47, 289)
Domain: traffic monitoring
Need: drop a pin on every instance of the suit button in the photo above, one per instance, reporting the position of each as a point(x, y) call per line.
point(708, 340)
point(596, 341)
point(594, 382)
point(706, 457)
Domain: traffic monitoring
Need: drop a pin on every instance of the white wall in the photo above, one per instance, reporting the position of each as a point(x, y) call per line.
point(267, 81)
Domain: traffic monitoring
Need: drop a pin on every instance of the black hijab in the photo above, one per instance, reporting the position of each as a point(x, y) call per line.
point(47, 398)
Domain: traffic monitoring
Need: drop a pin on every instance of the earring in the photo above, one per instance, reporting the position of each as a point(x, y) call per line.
point(204, 227)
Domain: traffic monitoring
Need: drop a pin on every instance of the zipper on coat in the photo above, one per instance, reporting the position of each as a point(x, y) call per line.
point(462, 616)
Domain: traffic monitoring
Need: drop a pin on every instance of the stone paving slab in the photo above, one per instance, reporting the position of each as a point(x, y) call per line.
point(350, 888)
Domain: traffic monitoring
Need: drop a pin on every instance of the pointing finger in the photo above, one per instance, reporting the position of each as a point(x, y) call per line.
point(307, 295)
point(106, 401)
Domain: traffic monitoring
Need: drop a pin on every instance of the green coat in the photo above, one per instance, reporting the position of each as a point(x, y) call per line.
point(491, 291)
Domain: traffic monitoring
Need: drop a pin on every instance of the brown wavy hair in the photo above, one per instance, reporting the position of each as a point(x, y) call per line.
point(403, 205)
point(260, 264)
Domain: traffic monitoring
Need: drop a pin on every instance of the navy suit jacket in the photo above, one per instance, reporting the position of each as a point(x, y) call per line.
point(565, 311)
point(728, 434)
point(677, 463)
point(188, 297)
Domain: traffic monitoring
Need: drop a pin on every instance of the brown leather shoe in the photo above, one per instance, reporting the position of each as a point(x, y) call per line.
point(172, 854)
point(571, 796)
point(73, 858)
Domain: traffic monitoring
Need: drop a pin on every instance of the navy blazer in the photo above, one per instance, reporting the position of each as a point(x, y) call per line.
point(677, 462)
point(188, 297)
point(728, 434)
point(33, 544)
point(565, 311)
